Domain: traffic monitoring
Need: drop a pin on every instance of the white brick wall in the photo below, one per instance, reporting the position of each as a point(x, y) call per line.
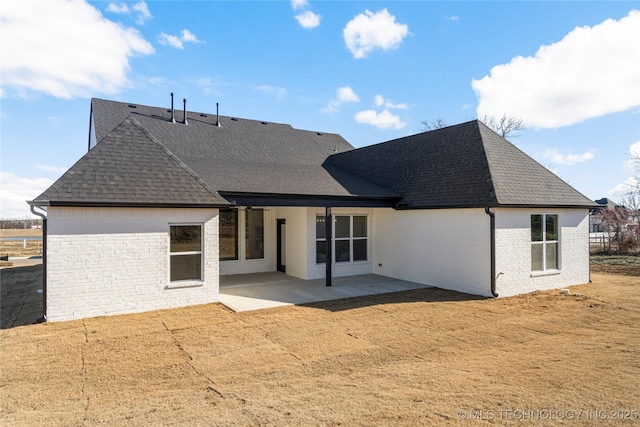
point(104, 261)
point(513, 251)
point(447, 248)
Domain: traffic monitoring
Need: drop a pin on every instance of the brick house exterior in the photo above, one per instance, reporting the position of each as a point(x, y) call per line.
point(163, 204)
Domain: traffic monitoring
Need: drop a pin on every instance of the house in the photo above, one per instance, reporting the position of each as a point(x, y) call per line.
point(596, 226)
point(165, 202)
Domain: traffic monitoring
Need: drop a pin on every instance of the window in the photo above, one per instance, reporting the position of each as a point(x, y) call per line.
point(254, 234)
point(544, 242)
point(321, 233)
point(185, 252)
point(349, 238)
point(228, 234)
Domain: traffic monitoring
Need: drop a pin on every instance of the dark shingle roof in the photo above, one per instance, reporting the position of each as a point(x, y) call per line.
point(130, 167)
point(520, 180)
point(143, 158)
point(244, 155)
point(466, 165)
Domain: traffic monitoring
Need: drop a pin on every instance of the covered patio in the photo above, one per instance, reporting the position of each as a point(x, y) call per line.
point(255, 291)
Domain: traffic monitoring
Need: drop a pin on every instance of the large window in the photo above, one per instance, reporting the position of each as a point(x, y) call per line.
point(228, 234)
point(545, 240)
point(254, 234)
point(185, 252)
point(349, 238)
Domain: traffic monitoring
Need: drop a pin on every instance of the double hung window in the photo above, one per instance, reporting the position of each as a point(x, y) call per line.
point(545, 240)
point(185, 252)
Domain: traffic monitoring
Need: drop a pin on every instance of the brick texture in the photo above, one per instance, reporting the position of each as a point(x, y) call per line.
point(104, 261)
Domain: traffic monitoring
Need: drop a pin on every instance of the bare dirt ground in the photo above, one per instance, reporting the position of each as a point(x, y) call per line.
point(425, 357)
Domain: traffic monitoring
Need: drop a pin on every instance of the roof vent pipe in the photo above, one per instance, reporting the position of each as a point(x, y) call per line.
point(184, 101)
point(173, 117)
point(217, 114)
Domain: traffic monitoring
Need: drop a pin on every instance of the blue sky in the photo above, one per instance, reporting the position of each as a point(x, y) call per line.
point(368, 70)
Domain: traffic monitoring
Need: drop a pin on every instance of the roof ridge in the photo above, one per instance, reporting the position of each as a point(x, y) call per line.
point(540, 169)
point(175, 158)
point(489, 180)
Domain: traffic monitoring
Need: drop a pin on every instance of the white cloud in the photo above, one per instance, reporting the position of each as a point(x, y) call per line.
point(567, 159)
point(343, 95)
point(141, 8)
point(279, 92)
point(121, 8)
point(209, 85)
point(620, 191)
point(143, 12)
point(178, 42)
point(308, 19)
point(14, 191)
point(169, 40)
point(299, 4)
point(369, 31)
point(157, 81)
point(381, 120)
point(188, 36)
point(49, 168)
point(634, 150)
point(591, 72)
point(346, 94)
point(65, 49)
point(379, 101)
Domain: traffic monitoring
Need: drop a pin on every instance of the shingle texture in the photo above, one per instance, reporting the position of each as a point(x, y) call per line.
point(130, 167)
point(142, 157)
point(520, 180)
point(244, 155)
point(465, 165)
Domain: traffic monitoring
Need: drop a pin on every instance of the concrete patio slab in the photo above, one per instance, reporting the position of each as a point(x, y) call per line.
point(246, 292)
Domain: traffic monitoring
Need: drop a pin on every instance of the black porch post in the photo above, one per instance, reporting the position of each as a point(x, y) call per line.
point(329, 244)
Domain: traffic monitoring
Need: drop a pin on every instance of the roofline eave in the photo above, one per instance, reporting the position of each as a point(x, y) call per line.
point(98, 204)
point(496, 205)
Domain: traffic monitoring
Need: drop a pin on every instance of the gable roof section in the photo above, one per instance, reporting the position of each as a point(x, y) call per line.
point(129, 167)
point(466, 165)
point(520, 180)
point(141, 158)
point(440, 168)
point(246, 156)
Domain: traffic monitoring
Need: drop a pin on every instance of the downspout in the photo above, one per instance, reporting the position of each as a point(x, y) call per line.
point(44, 263)
point(492, 220)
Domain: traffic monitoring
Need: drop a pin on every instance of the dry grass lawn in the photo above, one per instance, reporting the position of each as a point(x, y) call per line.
point(17, 248)
point(412, 358)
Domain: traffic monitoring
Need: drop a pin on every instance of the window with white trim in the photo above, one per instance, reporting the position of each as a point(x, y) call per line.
point(349, 238)
point(185, 252)
point(545, 241)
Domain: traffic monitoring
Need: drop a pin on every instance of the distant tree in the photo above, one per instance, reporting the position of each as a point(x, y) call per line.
point(632, 202)
point(618, 226)
point(505, 126)
point(20, 223)
point(438, 123)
